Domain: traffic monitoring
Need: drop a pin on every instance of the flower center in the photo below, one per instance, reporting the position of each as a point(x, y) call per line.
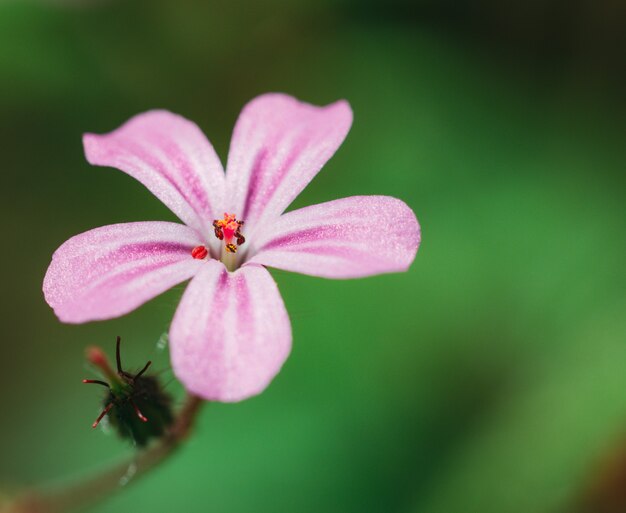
point(227, 229)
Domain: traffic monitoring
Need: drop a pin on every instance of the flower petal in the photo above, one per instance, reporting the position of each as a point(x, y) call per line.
point(171, 157)
point(110, 271)
point(231, 333)
point(279, 144)
point(345, 238)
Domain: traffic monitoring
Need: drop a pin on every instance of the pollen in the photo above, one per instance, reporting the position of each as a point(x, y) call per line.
point(199, 252)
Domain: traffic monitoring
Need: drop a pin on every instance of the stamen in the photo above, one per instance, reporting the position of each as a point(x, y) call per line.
point(240, 238)
point(199, 252)
point(228, 229)
point(218, 230)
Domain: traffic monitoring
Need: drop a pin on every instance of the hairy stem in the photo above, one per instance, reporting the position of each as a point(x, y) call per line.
point(104, 484)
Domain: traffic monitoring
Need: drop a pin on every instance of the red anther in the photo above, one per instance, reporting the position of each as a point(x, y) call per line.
point(231, 248)
point(199, 252)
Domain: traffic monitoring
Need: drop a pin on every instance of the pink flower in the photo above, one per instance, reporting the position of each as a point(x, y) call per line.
point(231, 333)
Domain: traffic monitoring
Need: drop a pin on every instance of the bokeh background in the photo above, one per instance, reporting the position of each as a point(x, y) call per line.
point(489, 378)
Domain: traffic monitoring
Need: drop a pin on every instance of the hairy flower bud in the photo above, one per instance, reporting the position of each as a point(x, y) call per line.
point(136, 404)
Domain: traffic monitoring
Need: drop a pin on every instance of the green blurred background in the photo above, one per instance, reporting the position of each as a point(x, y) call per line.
point(489, 378)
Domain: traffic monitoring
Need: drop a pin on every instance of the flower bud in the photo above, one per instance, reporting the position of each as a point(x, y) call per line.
point(136, 404)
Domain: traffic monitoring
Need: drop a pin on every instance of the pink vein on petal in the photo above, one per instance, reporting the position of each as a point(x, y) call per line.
point(231, 333)
point(171, 157)
point(279, 144)
point(109, 271)
point(345, 238)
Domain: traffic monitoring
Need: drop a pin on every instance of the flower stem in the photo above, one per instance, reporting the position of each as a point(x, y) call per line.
point(103, 485)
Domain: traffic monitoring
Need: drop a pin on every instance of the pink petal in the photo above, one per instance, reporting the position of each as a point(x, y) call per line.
point(110, 271)
point(279, 144)
point(231, 333)
point(172, 158)
point(345, 238)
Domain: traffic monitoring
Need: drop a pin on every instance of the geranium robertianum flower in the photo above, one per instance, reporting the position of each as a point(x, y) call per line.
point(231, 333)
